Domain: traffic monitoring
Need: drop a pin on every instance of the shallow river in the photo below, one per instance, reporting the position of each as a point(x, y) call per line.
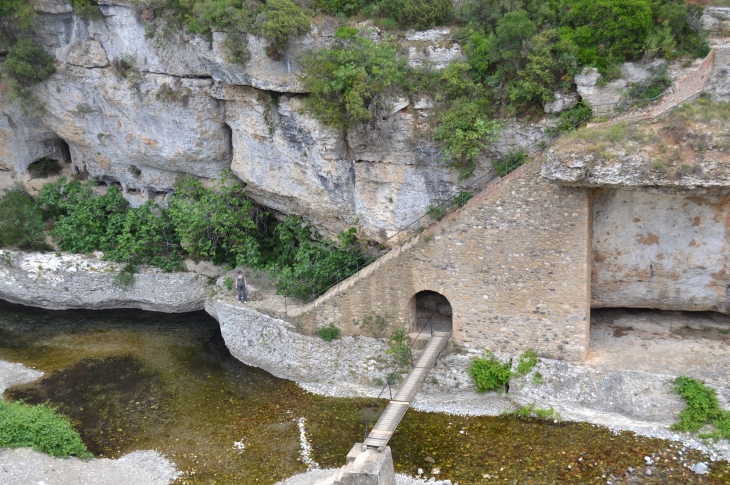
point(133, 380)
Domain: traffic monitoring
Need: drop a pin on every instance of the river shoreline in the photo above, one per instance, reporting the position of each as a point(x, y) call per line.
point(639, 400)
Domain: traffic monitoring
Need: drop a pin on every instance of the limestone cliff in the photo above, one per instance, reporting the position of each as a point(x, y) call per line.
point(137, 111)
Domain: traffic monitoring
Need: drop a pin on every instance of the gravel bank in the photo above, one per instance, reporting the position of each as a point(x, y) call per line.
point(23, 466)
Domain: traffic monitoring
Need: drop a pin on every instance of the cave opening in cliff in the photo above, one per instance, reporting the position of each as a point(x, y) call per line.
point(229, 140)
point(44, 167)
point(429, 307)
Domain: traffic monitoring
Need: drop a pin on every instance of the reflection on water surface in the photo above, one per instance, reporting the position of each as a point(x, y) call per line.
point(132, 380)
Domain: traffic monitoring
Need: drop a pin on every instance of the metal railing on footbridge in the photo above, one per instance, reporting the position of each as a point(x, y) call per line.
point(392, 376)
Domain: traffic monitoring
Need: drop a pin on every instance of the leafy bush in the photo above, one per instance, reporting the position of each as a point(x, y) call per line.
point(398, 347)
point(228, 281)
point(462, 198)
point(86, 10)
point(489, 374)
point(329, 333)
point(305, 264)
point(510, 162)
point(124, 279)
point(282, 19)
point(221, 224)
point(702, 409)
point(347, 7)
point(40, 427)
point(21, 222)
point(28, 64)
point(21, 11)
point(84, 222)
point(570, 119)
point(419, 14)
point(351, 81)
point(530, 411)
point(146, 236)
point(465, 130)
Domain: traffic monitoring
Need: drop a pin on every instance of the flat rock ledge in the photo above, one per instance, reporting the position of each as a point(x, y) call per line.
point(61, 281)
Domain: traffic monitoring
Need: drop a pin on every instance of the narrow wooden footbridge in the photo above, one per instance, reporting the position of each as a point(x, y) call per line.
point(399, 404)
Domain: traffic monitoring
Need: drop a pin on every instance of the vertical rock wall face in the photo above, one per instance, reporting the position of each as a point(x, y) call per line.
point(136, 111)
point(654, 250)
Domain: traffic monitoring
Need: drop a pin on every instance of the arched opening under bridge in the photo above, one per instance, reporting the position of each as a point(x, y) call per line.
point(431, 305)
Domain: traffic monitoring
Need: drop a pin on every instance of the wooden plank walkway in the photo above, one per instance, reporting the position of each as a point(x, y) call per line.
point(391, 417)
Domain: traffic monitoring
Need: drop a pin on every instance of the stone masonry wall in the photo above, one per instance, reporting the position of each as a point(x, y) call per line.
point(514, 263)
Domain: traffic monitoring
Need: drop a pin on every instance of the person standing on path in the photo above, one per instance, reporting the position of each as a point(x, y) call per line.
point(241, 284)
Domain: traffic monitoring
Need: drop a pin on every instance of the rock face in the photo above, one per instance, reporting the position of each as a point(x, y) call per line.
point(60, 282)
point(664, 251)
point(136, 111)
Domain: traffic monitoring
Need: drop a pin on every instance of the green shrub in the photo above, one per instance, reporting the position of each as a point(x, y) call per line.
point(306, 264)
point(462, 198)
point(527, 362)
point(350, 81)
point(217, 223)
point(21, 222)
point(570, 119)
point(607, 31)
point(282, 19)
point(346, 32)
point(530, 411)
point(41, 428)
point(398, 347)
point(228, 281)
point(86, 10)
point(489, 374)
point(124, 278)
point(28, 64)
point(702, 409)
point(436, 212)
point(329, 333)
point(465, 130)
point(510, 162)
point(418, 14)
point(146, 236)
point(84, 222)
point(220, 223)
point(21, 11)
point(347, 7)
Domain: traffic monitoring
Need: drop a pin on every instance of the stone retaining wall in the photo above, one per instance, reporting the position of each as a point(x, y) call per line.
point(513, 263)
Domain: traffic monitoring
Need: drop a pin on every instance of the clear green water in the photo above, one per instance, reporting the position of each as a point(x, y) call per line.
point(134, 380)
